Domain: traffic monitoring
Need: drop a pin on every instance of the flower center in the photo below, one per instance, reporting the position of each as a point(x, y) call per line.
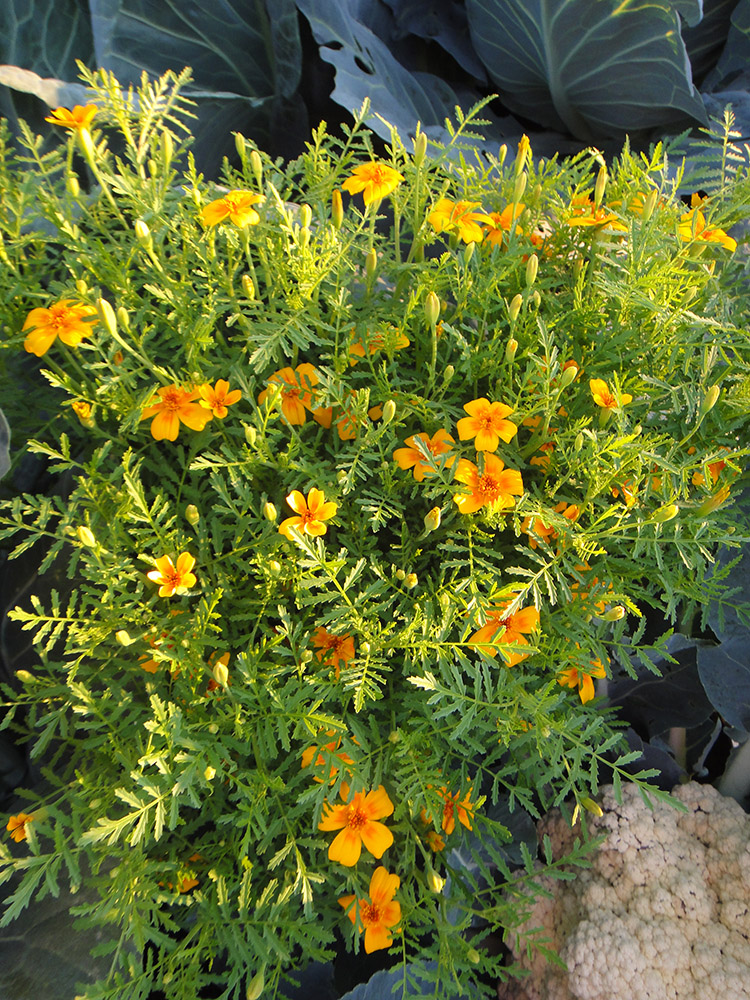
point(357, 819)
point(370, 913)
point(172, 399)
point(487, 487)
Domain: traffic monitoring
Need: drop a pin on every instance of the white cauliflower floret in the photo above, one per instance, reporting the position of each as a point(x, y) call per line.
point(662, 914)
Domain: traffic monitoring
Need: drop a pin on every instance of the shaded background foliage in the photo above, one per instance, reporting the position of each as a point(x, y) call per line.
point(570, 72)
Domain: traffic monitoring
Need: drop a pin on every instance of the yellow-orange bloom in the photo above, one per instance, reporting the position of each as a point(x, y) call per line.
point(237, 206)
point(173, 578)
point(501, 223)
point(313, 756)
point(459, 217)
point(310, 513)
point(453, 807)
point(69, 320)
point(391, 340)
point(374, 180)
point(604, 397)
point(17, 826)
point(582, 679)
point(79, 118)
point(358, 822)
point(585, 213)
point(502, 629)
point(218, 398)
point(486, 422)
point(494, 485)
point(297, 391)
point(333, 649)
point(411, 457)
point(692, 226)
point(171, 406)
point(377, 914)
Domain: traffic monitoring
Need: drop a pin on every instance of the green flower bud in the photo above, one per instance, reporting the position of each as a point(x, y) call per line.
point(510, 350)
point(25, 677)
point(578, 443)
point(601, 184)
point(519, 187)
point(468, 252)
point(210, 773)
point(220, 673)
point(337, 209)
point(614, 614)
point(167, 148)
point(434, 881)
point(256, 986)
point(432, 519)
point(192, 514)
point(86, 536)
point(269, 512)
point(532, 267)
point(593, 807)
point(515, 307)
point(411, 580)
point(123, 637)
point(304, 238)
point(81, 287)
point(420, 149)
point(107, 316)
point(73, 186)
point(649, 205)
point(371, 264)
point(239, 145)
point(122, 317)
point(400, 574)
point(448, 373)
point(536, 298)
point(305, 216)
point(665, 513)
point(87, 146)
point(257, 166)
point(568, 376)
point(274, 568)
point(251, 435)
point(432, 308)
point(709, 400)
point(248, 286)
point(473, 956)
point(142, 233)
point(389, 411)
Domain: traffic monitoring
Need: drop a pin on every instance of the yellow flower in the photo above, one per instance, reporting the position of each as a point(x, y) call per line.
point(411, 457)
point(296, 391)
point(494, 485)
point(17, 826)
point(69, 320)
point(311, 513)
point(605, 398)
point(452, 807)
point(501, 223)
point(459, 217)
point(172, 406)
point(357, 821)
point(374, 180)
point(486, 422)
point(173, 578)
point(218, 398)
point(692, 226)
point(237, 206)
point(377, 914)
point(585, 213)
point(77, 119)
point(502, 629)
point(581, 679)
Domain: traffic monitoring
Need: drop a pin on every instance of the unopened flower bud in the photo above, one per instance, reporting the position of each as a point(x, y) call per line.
point(420, 148)
point(337, 209)
point(400, 574)
point(86, 536)
point(251, 434)
point(167, 148)
point(431, 308)
point(515, 307)
point(578, 443)
point(593, 807)
point(256, 986)
point(473, 956)
point(210, 773)
point(257, 166)
point(665, 513)
point(269, 512)
point(532, 267)
point(239, 145)
point(510, 350)
point(568, 376)
point(107, 316)
point(365, 648)
point(304, 238)
point(192, 514)
point(536, 298)
point(709, 400)
point(306, 656)
point(153, 168)
point(524, 147)
point(81, 286)
point(248, 286)
point(25, 677)
point(689, 295)
point(274, 568)
point(305, 216)
point(73, 186)
point(448, 373)
point(434, 881)
point(601, 184)
point(411, 580)
point(142, 232)
point(649, 205)
point(712, 503)
point(371, 263)
point(519, 187)
point(389, 411)
point(122, 317)
point(123, 637)
point(220, 673)
point(393, 737)
point(468, 252)
point(341, 477)
point(614, 614)
point(501, 154)
point(432, 519)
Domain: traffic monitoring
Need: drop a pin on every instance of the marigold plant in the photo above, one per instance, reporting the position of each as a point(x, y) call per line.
point(364, 503)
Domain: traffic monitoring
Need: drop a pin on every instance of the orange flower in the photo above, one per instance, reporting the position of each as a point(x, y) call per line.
point(537, 529)
point(391, 340)
point(377, 914)
point(584, 213)
point(296, 391)
point(486, 422)
point(69, 320)
point(714, 468)
point(311, 513)
point(237, 206)
point(333, 648)
point(173, 578)
point(374, 180)
point(581, 679)
point(321, 762)
point(604, 397)
point(77, 119)
point(357, 821)
point(502, 629)
point(458, 217)
point(452, 807)
point(494, 485)
point(17, 826)
point(411, 457)
point(171, 406)
point(501, 223)
point(219, 398)
point(435, 841)
point(692, 226)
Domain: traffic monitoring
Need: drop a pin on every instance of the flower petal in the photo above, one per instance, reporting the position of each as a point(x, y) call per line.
point(346, 848)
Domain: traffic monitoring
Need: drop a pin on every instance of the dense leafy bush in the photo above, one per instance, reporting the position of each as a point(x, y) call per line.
point(363, 499)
